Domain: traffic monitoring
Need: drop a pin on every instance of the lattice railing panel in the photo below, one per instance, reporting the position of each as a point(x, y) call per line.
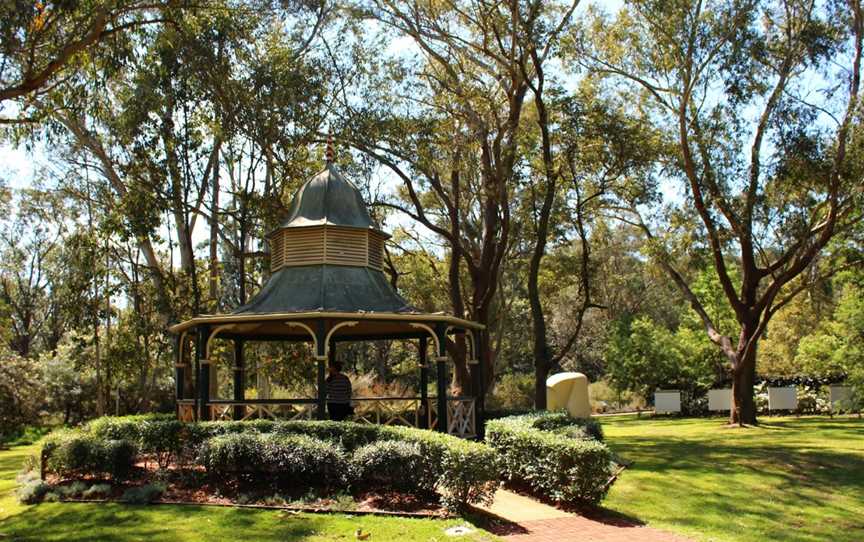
point(263, 411)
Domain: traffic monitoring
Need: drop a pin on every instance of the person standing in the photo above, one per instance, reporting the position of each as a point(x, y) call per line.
point(338, 393)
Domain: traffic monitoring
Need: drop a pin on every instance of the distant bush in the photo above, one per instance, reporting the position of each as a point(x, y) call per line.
point(549, 459)
point(513, 391)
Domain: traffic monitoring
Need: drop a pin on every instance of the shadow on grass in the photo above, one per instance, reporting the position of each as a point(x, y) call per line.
point(791, 479)
point(82, 522)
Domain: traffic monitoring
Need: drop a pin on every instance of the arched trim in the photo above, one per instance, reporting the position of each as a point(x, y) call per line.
point(472, 359)
point(432, 333)
point(333, 329)
point(309, 331)
point(213, 336)
point(180, 349)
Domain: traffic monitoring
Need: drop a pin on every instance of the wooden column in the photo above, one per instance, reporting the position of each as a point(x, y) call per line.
point(203, 384)
point(321, 357)
point(178, 370)
point(424, 384)
point(239, 378)
point(441, 363)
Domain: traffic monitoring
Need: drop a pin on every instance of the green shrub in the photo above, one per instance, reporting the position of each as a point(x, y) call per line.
point(294, 458)
point(142, 494)
point(80, 454)
point(392, 464)
point(162, 438)
point(553, 464)
point(465, 471)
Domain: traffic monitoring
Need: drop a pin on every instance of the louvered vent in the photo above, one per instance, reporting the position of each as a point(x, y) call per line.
point(346, 246)
point(376, 250)
point(277, 251)
point(304, 246)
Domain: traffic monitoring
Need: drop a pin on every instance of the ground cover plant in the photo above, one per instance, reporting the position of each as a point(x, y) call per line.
point(267, 461)
point(556, 456)
point(791, 479)
point(116, 522)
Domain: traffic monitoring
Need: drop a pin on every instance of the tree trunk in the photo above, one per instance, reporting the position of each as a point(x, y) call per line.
point(541, 373)
point(743, 410)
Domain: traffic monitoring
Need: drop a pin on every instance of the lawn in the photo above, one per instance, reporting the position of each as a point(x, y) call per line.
point(114, 522)
point(790, 479)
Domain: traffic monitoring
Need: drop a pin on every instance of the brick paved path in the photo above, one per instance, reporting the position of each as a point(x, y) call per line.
point(525, 520)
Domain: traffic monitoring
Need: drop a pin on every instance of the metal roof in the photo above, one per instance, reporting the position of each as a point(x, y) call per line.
point(330, 199)
point(327, 288)
point(328, 291)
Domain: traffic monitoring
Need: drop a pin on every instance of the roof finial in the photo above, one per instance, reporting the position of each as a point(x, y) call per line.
point(329, 153)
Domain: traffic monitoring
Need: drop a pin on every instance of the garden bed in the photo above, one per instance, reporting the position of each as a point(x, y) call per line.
point(309, 466)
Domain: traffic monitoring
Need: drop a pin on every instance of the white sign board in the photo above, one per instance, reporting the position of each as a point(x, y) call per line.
point(783, 398)
point(720, 400)
point(838, 394)
point(667, 402)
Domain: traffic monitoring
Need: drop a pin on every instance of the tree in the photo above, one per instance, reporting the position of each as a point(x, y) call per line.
point(41, 39)
point(769, 190)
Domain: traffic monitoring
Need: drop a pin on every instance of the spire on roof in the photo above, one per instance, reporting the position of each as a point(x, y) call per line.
point(329, 153)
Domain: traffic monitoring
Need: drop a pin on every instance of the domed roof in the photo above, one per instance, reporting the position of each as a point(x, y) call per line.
point(329, 199)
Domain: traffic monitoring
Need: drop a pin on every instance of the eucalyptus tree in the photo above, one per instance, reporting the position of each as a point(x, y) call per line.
point(760, 101)
point(152, 120)
point(449, 123)
point(41, 43)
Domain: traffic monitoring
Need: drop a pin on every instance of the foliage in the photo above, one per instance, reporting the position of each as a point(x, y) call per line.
point(512, 391)
point(552, 463)
point(21, 392)
point(643, 357)
point(392, 464)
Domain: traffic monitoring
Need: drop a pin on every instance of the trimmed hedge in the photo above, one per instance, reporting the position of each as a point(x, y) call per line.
point(309, 452)
point(392, 464)
point(295, 458)
point(550, 460)
point(73, 453)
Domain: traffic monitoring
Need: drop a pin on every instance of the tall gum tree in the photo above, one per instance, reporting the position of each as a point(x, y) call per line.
point(760, 101)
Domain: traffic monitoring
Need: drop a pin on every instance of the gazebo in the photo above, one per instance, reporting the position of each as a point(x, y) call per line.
point(327, 286)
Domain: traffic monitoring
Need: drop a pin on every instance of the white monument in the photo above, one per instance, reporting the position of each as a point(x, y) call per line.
point(568, 391)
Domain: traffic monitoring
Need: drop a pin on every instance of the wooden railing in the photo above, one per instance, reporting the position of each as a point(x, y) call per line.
point(186, 410)
point(461, 419)
point(263, 409)
point(407, 411)
point(388, 410)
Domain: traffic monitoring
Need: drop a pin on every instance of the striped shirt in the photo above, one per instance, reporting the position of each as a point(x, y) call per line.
point(338, 389)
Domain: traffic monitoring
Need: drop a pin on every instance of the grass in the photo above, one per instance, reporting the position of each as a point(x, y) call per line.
point(790, 479)
point(73, 522)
